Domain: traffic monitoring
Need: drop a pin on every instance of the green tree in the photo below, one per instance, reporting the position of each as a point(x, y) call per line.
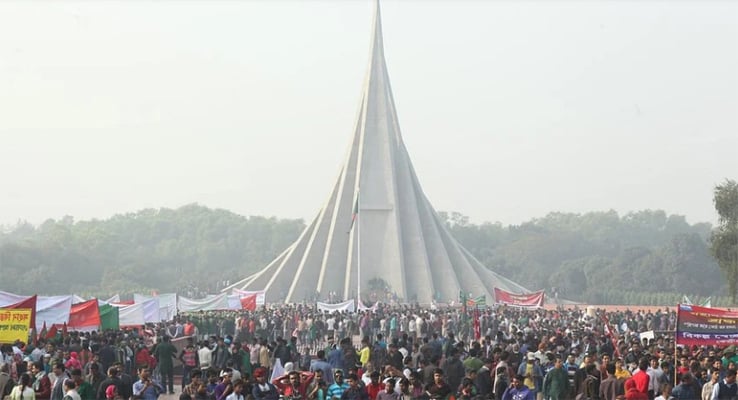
point(724, 241)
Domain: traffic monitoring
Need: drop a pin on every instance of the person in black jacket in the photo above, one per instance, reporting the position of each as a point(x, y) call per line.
point(484, 379)
point(112, 380)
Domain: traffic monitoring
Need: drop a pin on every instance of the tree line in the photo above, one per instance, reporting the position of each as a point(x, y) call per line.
point(644, 257)
point(600, 257)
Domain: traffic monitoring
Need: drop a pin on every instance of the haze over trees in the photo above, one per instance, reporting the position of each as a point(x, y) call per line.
point(645, 257)
point(724, 240)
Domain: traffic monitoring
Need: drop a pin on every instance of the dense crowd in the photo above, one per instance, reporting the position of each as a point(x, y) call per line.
point(389, 353)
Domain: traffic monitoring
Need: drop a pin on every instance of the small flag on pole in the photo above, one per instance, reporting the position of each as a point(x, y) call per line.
point(354, 212)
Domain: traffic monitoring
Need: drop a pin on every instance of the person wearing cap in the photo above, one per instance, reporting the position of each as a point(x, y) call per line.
point(73, 361)
point(531, 373)
point(111, 392)
point(225, 387)
point(263, 390)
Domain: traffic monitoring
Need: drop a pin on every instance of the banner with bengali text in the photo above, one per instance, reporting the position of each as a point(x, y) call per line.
point(704, 326)
point(528, 300)
point(347, 306)
point(14, 324)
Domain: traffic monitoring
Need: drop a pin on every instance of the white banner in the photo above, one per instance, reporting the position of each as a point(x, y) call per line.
point(151, 310)
point(132, 315)
point(362, 307)
point(114, 299)
point(219, 302)
point(167, 304)
point(260, 295)
point(345, 306)
point(53, 310)
point(234, 302)
point(7, 299)
point(49, 309)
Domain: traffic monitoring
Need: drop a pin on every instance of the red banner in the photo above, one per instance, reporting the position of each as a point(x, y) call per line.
point(248, 302)
point(530, 300)
point(29, 303)
point(705, 326)
point(84, 315)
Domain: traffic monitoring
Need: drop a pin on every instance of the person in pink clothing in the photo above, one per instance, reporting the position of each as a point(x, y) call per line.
point(73, 362)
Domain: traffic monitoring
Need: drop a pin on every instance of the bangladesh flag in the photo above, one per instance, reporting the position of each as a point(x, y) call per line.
point(42, 334)
point(478, 302)
point(354, 212)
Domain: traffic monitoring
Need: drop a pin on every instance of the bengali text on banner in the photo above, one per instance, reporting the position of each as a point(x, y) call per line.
point(528, 300)
point(14, 324)
point(704, 326)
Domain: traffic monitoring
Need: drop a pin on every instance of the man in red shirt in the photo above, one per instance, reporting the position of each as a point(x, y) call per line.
point(641, 378)
point(374, 387)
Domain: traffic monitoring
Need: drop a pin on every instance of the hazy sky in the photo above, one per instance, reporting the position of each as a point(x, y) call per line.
point(509, 109)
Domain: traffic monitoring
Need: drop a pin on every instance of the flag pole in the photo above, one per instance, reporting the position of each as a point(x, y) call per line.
point(358, 237)
point(676, 339)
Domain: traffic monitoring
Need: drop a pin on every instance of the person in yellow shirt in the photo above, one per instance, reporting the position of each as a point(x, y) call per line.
point(620, 372)
point(365, 352)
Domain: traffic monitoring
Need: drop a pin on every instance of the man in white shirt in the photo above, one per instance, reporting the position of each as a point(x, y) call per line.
point(70, 390)
point(656, 377)
point(330, 326)
point(205, 356)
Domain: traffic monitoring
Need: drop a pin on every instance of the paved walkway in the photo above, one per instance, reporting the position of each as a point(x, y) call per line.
point(175, 396)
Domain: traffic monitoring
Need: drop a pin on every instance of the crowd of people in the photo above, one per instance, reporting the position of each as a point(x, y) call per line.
point(388, 353)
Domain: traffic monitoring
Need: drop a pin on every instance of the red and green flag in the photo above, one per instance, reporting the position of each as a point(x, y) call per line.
point(354, 212)
point(42, 334)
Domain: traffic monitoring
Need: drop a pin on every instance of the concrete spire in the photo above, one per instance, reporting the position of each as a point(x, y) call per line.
point(396, 237)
